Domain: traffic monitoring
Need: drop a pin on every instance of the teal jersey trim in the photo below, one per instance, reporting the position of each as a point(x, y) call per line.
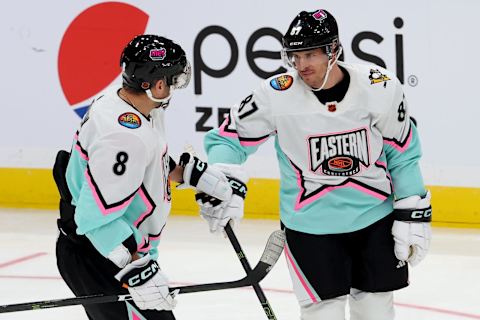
point(338, 211)
point(403, 166)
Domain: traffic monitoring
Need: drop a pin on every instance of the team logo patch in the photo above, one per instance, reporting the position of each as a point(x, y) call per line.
point(282, 82)
point(340, 154)
point(158, 54)
point(130, 120)
point(377, 77)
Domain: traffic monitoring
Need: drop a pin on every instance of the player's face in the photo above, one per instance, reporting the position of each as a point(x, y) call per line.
point(311, 66)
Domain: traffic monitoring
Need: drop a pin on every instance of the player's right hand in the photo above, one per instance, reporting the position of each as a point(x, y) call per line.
point(147, 284)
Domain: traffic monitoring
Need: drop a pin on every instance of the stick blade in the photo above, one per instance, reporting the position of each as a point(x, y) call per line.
point(273, 249)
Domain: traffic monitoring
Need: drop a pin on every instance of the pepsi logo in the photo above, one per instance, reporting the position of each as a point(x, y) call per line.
point(89, 54)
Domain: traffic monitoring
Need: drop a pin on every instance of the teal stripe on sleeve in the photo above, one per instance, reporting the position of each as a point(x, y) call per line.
point(222, 149)
point(404, 168)
point(109, 236)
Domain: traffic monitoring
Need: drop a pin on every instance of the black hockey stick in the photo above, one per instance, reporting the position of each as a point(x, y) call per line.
point(246, 266)
point(270, 255)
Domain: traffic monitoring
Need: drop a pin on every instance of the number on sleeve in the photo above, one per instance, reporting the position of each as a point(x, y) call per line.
point(120, 167)
point(248, 111)
point(401, 112)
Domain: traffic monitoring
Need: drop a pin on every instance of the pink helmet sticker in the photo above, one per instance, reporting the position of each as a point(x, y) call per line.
point(158, 54)
point(320, 15)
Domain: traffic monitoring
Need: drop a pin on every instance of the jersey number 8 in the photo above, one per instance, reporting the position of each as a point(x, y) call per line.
point(120, 167)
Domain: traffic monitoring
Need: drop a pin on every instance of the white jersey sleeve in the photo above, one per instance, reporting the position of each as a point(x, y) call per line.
point(394, 122)
point(253, 118)
point(402, 146)
point(117, 166)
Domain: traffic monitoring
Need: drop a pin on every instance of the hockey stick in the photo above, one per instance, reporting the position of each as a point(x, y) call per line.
point(272, 252)
point(246, 266)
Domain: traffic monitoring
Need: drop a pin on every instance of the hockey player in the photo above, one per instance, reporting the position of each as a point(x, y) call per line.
point(352, 198)
point(115, 186)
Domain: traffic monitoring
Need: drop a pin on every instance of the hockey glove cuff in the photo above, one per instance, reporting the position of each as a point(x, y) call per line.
point(147, 284)
point(204, 178)
point(411, 229)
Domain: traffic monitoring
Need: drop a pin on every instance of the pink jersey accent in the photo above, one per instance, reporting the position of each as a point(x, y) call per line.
point(104, 210)
point(300, 204)
point(223, 133)
point(303, 281)
point(148, 206)
point(80, 152)
point(135, 316)
point(398, 147)
point(383, 164)
point(141, 244)
point(155, 238)
point(77, 147)
point(253, 143)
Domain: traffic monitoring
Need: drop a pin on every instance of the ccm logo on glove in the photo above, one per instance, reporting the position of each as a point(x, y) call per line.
point(200, 166)
point(135, 278)
point(414, 215)
point(238, 187)
point(419, 214)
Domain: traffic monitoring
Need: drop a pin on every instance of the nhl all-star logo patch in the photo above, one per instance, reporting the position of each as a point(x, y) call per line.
point(130, 120)
point(282, 82)
point(158, 54)
point(377, 77)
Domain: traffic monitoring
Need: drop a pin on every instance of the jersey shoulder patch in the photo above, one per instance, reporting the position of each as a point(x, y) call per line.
point(282, 82)
point(371, 76)
point(130, 120)
point(378, 77)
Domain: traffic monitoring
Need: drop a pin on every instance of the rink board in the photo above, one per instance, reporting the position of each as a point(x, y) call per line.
point(35, 188)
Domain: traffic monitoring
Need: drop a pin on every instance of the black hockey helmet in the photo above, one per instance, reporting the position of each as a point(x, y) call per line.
point(311, 30)
point(149, 58)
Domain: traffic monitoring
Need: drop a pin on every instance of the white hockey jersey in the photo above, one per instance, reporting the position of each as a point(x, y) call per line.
point(118, 175)
point(340, 162)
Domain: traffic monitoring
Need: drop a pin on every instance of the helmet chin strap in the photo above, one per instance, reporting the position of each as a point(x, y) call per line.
point(330, 65)
point(164, 102)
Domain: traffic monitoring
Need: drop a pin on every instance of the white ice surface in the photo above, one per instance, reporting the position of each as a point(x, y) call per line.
point(444, 286)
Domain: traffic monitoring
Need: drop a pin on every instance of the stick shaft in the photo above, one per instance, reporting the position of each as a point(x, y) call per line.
point(246, 266)
point(92, 299)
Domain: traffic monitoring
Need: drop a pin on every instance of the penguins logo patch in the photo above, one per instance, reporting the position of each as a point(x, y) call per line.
point(282, 82)
point(377, 77)
point(130, 120)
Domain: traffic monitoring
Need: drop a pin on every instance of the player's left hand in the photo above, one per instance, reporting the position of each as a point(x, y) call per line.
point(219, 213)
point(411, 229)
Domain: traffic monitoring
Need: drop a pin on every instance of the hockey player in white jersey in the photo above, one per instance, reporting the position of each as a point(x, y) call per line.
point(115, 186)
point(352, 198)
